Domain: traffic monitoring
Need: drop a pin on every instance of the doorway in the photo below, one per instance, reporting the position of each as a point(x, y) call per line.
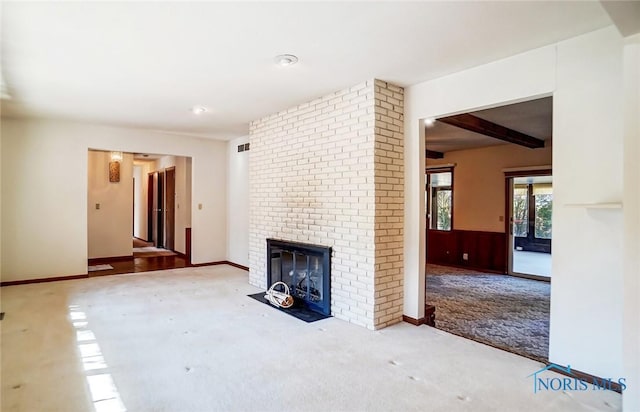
point(162, 208)
point(170, 208)
point(156, 208)
point(468, 222)
point(529, 207)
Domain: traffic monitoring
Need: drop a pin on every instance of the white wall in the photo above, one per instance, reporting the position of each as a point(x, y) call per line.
point(48, 160)
point(1, 232)
point(183, 201)
point(631, 203)
point(138, 203)
point(238, 203)
point(110, 226)
point(182, 167)
point(140, 198)
point(587, 245)
point(188, 181)
point(584, 75)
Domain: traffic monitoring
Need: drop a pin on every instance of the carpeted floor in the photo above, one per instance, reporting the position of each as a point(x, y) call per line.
point(191, 340)
point(507, 312)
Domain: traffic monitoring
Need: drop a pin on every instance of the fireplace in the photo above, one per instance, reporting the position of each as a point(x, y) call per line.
point(305, 268)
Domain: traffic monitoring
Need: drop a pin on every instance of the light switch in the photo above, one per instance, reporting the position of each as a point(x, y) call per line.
point(200, 206)
point(97, 206)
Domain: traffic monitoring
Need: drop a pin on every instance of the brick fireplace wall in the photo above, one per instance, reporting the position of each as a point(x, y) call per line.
point(389, 199)
point(330, 172)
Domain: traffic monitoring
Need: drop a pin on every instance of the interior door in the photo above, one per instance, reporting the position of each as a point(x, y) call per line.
point(170, 205)
point(151, 208)
point(159, 201)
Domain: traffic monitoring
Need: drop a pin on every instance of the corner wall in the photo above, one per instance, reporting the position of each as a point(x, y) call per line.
point(110, 226)
point(238, 202)
point(587, 243)
point(389, 203)
point(631, 216)
point(139, 203)
point(48, 160)
point(584, 75)
point(183, 204)
point(319, 174)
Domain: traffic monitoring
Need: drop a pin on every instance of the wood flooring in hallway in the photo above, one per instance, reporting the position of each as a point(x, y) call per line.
point(135, 265)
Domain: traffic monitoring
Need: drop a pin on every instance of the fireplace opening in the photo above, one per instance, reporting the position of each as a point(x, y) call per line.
point(305, 268)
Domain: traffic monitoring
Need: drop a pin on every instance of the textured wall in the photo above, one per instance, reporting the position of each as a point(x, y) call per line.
point(329, 172)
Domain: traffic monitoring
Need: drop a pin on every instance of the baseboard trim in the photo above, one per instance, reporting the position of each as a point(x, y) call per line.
point(218, 262)
point(238, 266)
point(587, 377)
point(93, 261)
point(99, 261)
point(453, 265)
point(413, 321)
point(42, 280)
point(531, 277)
point(180, 254)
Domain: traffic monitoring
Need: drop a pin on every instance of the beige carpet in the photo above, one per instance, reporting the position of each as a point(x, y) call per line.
point(191, 340)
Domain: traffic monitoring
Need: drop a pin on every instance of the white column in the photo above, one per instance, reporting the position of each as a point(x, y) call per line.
point(414, 216)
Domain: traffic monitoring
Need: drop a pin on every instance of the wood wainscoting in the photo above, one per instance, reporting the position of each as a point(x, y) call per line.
point(486, 250)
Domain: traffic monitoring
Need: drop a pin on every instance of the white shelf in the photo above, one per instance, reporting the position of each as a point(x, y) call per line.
point(610, 205)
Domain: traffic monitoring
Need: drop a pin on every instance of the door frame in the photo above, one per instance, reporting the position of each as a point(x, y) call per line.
point(509, 175)
point(169, 209)
point(160, 198)
point(155, 208)
point(150, 194)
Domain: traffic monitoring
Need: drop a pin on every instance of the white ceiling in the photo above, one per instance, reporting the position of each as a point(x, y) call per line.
point(145, 64)
point(534, 118)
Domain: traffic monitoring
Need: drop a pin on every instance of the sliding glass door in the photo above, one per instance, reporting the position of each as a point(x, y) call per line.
point(530, 230)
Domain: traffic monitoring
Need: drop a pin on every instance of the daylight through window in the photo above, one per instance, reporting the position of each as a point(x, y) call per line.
point(439, 199)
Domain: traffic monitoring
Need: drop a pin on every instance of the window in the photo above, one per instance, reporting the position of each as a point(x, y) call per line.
point(539, 197)
point(521, 210)
point(543, 194)
point(439, 199)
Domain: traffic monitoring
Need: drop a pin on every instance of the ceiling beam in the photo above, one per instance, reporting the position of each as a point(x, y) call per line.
point(432, 154)
point(475, 124)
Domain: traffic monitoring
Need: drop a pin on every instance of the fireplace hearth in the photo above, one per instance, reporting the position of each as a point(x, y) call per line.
point(305, 268)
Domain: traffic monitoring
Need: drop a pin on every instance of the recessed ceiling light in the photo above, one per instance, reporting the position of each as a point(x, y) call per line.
point(285, 60)
point(429, 122)
point(199, 109)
